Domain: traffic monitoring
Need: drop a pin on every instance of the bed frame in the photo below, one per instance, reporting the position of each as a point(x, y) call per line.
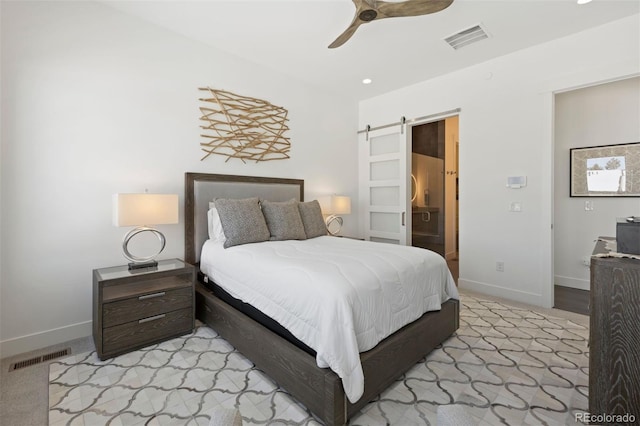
point(318, 389)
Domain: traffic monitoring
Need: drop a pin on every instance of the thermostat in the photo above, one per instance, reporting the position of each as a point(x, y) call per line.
point(516, 182)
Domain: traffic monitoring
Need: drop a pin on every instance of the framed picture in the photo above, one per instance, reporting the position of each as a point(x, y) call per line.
point(605, 171)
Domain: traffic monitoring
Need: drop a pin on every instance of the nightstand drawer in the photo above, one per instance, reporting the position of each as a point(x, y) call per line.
point(145, 330)
point(146, 305)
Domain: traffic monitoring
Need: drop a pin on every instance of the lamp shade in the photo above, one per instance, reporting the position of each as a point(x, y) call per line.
point(340, 204)
point(145, 209)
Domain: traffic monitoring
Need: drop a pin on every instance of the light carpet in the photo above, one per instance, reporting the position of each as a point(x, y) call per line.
point(504, 365)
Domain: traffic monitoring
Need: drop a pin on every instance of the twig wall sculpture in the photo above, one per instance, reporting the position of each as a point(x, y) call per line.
point(243, 127)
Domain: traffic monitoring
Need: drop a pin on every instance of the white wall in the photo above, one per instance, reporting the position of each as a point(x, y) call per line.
point(95, 102)
point(506, 129)
point(600, 115)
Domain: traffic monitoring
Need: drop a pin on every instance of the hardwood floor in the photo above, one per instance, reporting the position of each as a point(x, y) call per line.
point(571, 299)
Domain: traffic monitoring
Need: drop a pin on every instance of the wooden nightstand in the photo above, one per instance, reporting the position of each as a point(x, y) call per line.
point(134, 309)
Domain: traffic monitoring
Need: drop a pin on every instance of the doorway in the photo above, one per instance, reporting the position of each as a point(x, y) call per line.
point(434, 187)
point(579, 221)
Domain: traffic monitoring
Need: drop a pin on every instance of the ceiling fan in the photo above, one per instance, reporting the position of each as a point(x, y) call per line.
point(370, 10)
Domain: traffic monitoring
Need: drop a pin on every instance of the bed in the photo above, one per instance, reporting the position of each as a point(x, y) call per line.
point(288, 361)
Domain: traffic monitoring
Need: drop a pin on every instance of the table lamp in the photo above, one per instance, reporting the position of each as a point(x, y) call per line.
point(339, 205)
point(141, 211)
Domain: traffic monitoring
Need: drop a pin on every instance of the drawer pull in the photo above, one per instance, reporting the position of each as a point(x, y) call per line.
point(151, 296)
point(157, 317)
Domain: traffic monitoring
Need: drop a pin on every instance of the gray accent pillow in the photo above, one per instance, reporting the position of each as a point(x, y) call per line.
point(312, 219)
point(283, 220)
point(242, 221)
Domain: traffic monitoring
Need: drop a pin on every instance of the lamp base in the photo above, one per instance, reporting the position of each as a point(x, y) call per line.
point(334, 224)
point(142, 265)
point(141, 262)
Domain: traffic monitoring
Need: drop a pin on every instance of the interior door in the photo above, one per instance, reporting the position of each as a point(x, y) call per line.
point(383, 185)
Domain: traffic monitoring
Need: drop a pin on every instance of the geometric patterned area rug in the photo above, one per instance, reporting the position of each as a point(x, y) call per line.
point(504, 365)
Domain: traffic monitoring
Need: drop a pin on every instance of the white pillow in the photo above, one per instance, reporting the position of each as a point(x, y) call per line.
point(216, 233)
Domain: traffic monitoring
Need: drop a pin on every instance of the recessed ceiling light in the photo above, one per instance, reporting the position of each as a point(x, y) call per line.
point(583, 1)
point(367, 81)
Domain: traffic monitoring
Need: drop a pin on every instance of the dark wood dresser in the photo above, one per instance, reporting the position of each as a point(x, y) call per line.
point(133, 309)
point(614, 343)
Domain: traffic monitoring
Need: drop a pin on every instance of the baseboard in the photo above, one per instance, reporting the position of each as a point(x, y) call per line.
point(30, 342)
point(578, 283)
point(502, 292)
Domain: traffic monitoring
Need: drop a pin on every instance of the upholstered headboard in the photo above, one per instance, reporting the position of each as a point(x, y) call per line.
point(201, 188)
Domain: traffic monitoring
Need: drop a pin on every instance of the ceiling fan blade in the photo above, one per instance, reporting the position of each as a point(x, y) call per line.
point(365, 12)
point(346, 35)
point(410, 8)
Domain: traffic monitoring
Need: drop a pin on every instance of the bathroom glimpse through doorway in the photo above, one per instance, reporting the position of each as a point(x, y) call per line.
point(434, 188)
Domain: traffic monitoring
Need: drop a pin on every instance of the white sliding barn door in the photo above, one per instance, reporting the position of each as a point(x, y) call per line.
point(383, 185)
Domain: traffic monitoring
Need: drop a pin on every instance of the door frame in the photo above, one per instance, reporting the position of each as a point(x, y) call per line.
point(406, 126)
point(409, 132)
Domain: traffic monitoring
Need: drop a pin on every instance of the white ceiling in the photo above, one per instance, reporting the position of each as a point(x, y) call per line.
point(291, 36)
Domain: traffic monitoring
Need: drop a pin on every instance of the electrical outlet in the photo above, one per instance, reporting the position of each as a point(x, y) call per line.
point(500, 266)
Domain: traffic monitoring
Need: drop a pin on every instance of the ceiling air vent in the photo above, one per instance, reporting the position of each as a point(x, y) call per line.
point(466, 37)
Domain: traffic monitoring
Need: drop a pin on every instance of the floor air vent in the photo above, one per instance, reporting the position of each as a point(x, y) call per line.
point(39, 359)
point(466, 37)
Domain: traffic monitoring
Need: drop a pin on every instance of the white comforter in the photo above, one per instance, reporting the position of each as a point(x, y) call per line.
point(337, 295)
